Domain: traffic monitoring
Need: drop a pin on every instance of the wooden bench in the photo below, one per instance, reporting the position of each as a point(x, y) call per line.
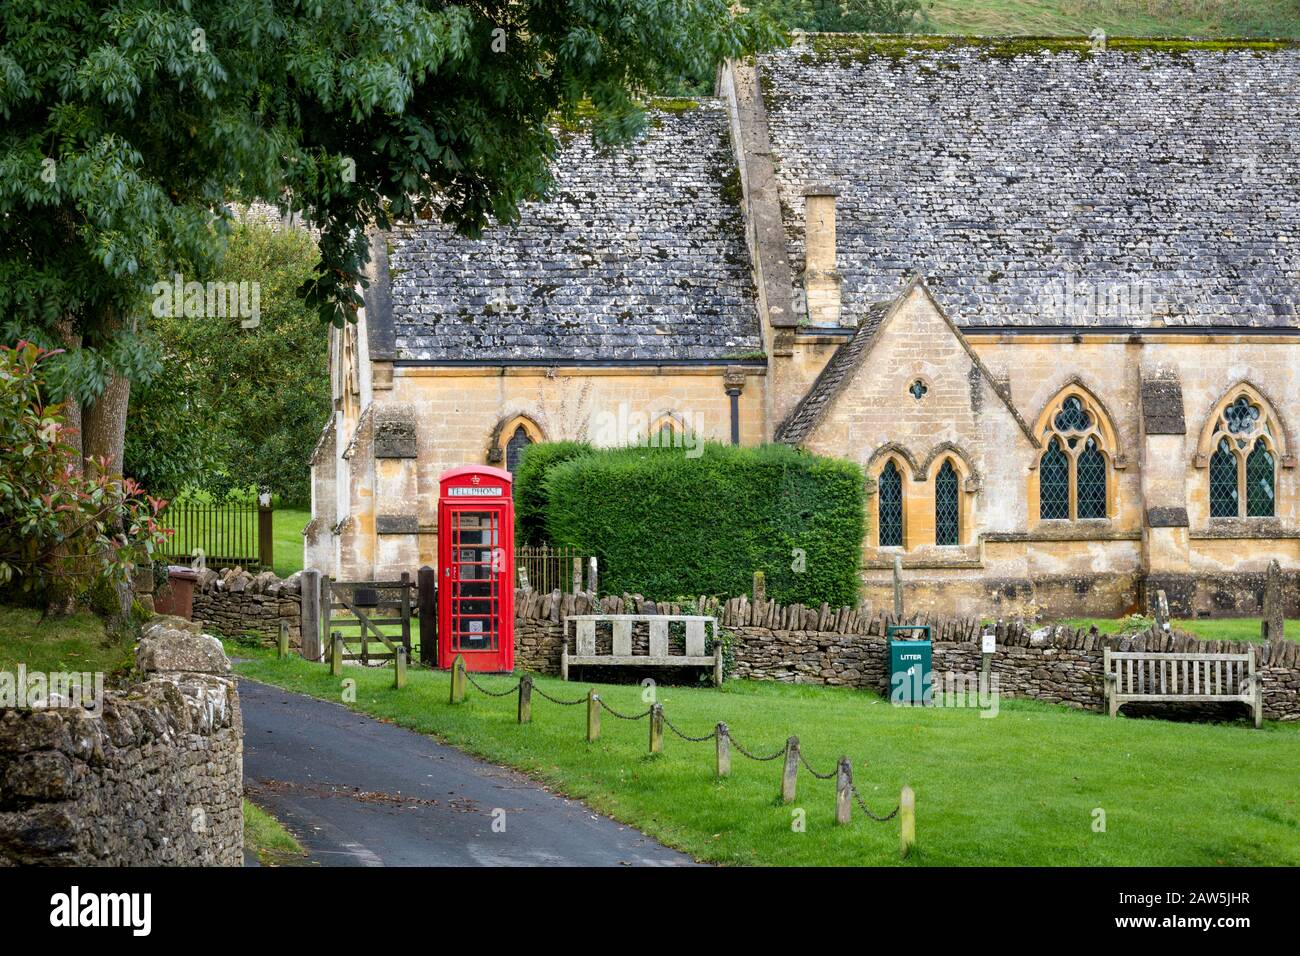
point(584, 630)
point(1199, 678)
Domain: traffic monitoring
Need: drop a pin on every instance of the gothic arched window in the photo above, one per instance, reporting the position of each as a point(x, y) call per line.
point(889, 506)
point(515, 447)
point(947, 507)
point(1074, 468)
point(1243, 467)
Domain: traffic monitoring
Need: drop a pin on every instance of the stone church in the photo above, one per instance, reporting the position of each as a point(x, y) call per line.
point(1048, 296)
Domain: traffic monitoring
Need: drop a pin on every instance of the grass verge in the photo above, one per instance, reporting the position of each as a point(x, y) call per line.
point(76, 643)
point(1210, 629)
point(265, 836)
point(1021, 789)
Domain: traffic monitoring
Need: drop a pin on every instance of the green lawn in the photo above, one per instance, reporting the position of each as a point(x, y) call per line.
point(265, 836)
point(1018, 789)
point(1208, 18)
point(77, 643)
point(1211, 629)
point(286, 534)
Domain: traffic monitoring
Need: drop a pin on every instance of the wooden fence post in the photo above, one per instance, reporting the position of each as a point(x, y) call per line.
point(326, 604)
point(656, 728)
point(399, 668)
point(336, 654)
point(593, 715)
point(426, 583)
point(282, 645)
point(906, 822)
point(724, 750)
point(593, 578)
point(790, 775)
point(265, 538)
point(525, 699)
point(577, 574)
point(458, 679)
point(311, 644)
point(843, 793)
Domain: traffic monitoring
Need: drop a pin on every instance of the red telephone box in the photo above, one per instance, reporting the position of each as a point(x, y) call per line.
point(476, 568)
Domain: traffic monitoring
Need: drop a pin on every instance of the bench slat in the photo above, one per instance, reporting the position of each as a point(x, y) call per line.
point(695, 638)
point(622, 638)
point(586, 640)
point(637, 659)
point(659, 638)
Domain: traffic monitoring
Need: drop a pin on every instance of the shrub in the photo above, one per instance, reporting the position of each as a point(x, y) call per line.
point(666, 525)
point(529, 493)
point(65, 536)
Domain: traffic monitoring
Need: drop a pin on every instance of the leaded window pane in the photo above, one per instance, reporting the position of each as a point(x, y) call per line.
point(515, 448)
point(1259, 482)
point(1241, 416)
point(946, 518)
point(1090, 482)
point(1054, 483)
point(1072, 417)
point(1223, 482)
point(889, 495)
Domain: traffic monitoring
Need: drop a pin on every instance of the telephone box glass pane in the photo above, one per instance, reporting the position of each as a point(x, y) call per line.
point(476, 569)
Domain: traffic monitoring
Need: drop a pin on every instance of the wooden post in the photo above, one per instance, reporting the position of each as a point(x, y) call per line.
point(564, 659)
point(525, 699)
point(336, 654)
point(265, 538)
point(311, 644)
point(843, 793)
point(399, 668)
point(458, 679)
point(426, 582)
point(406, 612)
point(282, 645)
point(717, 658)
point(790, 775)
point(593, 715)
point(577, 574)
point(656, 728)
point(906, 822)
point(898, 586)
point(724, 750)
point(760, 587)
point(326, 602)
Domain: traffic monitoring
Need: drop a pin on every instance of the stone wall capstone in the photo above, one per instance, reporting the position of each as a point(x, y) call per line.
point(154, 779)
point(846, 646)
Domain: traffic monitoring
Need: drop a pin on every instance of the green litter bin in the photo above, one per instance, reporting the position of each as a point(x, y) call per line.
point(911, 665)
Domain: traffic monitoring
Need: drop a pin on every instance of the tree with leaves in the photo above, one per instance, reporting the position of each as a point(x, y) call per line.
point(128, 127)
point(238, 405)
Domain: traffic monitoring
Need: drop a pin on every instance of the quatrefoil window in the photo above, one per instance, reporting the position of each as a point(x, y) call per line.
point(1241, 416)
point(1072, 417)
point(918, 389)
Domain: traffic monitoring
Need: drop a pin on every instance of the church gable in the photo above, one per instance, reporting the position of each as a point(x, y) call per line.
point(908, 377)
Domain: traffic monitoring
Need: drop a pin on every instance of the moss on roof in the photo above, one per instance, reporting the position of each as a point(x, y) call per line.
point(849, 48)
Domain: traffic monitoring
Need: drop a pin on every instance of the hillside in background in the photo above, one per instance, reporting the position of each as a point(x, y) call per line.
point(1207, 18)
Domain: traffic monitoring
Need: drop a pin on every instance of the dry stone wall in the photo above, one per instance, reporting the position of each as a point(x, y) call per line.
point(154, 779)
point(845, 646)
point(234, 603)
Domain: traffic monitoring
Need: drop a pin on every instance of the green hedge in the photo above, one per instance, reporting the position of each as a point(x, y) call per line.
point(667, 525)
point(529, 493)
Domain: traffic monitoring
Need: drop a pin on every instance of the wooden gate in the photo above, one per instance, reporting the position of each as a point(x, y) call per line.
point(366, 614)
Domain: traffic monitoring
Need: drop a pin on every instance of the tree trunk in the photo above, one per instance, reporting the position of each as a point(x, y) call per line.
point(66, 330)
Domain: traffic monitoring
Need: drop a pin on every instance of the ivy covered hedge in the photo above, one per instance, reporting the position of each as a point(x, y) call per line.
point(667, 525)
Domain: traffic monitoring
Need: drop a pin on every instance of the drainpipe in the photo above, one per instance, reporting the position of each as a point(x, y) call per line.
point(734, 382)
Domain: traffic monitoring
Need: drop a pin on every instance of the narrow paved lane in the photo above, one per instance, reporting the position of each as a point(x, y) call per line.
point(358, 792)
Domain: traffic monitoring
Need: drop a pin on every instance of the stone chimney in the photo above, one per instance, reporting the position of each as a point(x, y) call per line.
point(821, 279)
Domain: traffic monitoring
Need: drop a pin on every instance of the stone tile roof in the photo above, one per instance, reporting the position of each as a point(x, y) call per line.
point(638, 253)
point(837, 373)
point(1006, 171)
